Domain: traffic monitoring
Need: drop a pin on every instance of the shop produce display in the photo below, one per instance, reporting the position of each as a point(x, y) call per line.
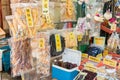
point(20, 55)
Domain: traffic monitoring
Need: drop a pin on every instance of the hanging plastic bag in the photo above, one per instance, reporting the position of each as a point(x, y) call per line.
point(41, 51)
point(57, 42)
point(26, 16)
point(68, 12)
point(21, 60)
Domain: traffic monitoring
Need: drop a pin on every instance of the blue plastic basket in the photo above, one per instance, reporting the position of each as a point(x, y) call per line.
point(60, 73)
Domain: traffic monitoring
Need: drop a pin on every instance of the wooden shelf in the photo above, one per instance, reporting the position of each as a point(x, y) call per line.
point(108, 30)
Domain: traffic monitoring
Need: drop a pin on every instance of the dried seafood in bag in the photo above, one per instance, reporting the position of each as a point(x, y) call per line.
point(21, 60)
point(26, 16)
point(40, 51)
point(68, 13)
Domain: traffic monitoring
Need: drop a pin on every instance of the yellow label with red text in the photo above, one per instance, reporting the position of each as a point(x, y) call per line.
point(84, 55)
point(94, 59)
point(42, 43)
point(58, 43)
point(29, 17)
point(109, 62)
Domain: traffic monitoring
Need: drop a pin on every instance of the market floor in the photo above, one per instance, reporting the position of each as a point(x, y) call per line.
point(6, 76)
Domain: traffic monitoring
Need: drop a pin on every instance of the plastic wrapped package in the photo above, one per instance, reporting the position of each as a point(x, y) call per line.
point(40, 50)
point(22, 1)
point(46, 20)
point(12, 28)
point(70, 38)
point(68, 11)
point(26, 16)
point(57, 42)
point(21, 57)
point(113, 42)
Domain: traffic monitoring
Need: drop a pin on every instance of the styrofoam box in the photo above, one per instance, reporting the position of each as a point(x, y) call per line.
point(69, 55)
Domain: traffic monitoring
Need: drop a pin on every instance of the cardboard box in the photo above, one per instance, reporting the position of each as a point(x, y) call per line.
point(2, 34)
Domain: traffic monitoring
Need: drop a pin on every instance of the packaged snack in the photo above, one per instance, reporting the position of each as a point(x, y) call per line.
point(12, 28)
point(21, 57)
point(40, 51)
point(26, 16)
point(80, 76)
point(68, 11)
point(57, 43)
point(70, 38)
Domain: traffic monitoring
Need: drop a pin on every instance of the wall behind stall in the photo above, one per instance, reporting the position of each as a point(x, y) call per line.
point(4, 11)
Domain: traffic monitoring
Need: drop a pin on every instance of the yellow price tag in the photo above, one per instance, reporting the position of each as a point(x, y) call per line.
point(91, 68)
point(94, 59)
point(109, 62)
point(42, 43)
point(84, 55)
point(99, 41)
point(58, 43)
point(72, 36)
point(105, 53)
point(99, 55)
point(80, 37)
point(29, 17)
point(45, 6)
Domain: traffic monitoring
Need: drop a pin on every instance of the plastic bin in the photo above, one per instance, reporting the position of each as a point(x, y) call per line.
point(60, 73)
point(71, 56)
point(5, 57)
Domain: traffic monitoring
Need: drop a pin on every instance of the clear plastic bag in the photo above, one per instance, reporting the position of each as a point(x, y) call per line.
point(40, 50)
point(21, 55)
point(12, 28)
point(70, 38)
point(68, 11)
point(27, 17)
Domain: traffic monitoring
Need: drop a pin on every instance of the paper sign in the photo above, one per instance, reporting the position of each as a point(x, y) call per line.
point(105, 53)
point(109, 62)
point(42, 43)
point(94, 59)
point(80, 37)
point(91, 68)
point(84, 55)
point(72, 36)
point(58, 43)
point(45, 6)
point(99, 56)
point(29, 17)
point(100, 41)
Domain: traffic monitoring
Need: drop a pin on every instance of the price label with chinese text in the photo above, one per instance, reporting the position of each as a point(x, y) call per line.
point(58, 43)
point(109, 62)
point(100, 41)
point(42, 43)
point(45, 6)
point(29, 17)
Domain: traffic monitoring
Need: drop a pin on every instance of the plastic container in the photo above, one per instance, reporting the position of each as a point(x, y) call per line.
point(60, 73)
point(5, 58)
point(71, 56)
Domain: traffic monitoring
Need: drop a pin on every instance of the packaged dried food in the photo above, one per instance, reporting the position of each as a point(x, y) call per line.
point(57, 42)
point(26, 16)
point(40, 51)
point(70, 38)
point(80, 76)
point(68, 11)
point(12, 28)
point(21, 57)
